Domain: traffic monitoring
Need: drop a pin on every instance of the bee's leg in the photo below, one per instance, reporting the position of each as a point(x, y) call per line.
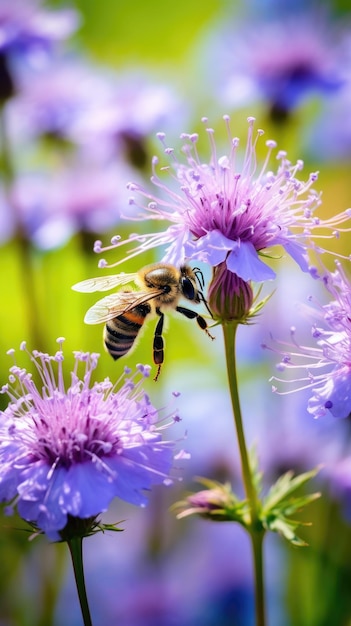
point(158, 346)
point(192, 315)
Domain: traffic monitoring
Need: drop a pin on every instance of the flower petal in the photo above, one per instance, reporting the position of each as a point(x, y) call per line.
point(88, 490)
point(40, 497)
point(297, 253)
point(243, 260)
point(212, 248)
point(334, 396)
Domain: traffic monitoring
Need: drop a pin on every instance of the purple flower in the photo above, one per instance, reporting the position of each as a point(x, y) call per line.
point(86, 196)
point(25, 26)
point(27, 34)
point(122, 113)
point(282, 61)
point(52, 98)
point(67, 450)
point(327, 364)
point(223, 213)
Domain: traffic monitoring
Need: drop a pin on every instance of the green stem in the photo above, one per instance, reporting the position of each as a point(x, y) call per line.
point(229, 331)
point(76, 549)
point(257, 549)
point(255, 528)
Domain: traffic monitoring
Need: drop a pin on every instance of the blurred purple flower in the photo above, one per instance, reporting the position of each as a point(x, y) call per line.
point(67, 451)
point(53, 97)
point(25, 24)
point(281, 61)
point(27, 34)
point(330, 358)
point(124, 112)
point(94, 108)
point(86, 196)
point(226, 214)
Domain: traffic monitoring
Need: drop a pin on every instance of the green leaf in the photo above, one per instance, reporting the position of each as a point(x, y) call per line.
point(286, 528)
point(281, 502)
point(285, 486)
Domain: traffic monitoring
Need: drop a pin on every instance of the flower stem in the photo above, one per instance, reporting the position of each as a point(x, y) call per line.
point(76, 549)
point(257, 549)
point(255, 527)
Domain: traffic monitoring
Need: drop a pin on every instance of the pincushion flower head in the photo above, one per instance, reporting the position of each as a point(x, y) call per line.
point(326, 365)
point(221, 212)
point(67, 450)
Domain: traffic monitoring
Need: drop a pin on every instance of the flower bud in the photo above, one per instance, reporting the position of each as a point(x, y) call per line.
point(230, 297)
point(216, 502)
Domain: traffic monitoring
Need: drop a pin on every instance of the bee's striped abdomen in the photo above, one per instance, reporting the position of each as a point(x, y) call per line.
point(121, 332)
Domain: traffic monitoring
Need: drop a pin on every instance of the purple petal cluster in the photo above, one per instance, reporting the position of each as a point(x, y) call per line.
point(68, 450)
point(226, 213)
point(25, 25)
point(282, 60)
point(86, 197)
point(327, 364)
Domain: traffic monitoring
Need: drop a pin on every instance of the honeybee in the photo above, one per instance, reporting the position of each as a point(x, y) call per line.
point(161, 286)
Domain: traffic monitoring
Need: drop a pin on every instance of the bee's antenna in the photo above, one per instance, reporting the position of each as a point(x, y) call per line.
point(201, 281)
point(158, 372)
point(199, 277)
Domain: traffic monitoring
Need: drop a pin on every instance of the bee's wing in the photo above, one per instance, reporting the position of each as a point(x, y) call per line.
point(118, 303)
point(104, 283)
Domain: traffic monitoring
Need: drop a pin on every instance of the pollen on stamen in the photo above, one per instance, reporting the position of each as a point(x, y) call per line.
point(144, 369)
point(132, 186)
point(97, 246)
point(102, 264)
point(115, 239)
